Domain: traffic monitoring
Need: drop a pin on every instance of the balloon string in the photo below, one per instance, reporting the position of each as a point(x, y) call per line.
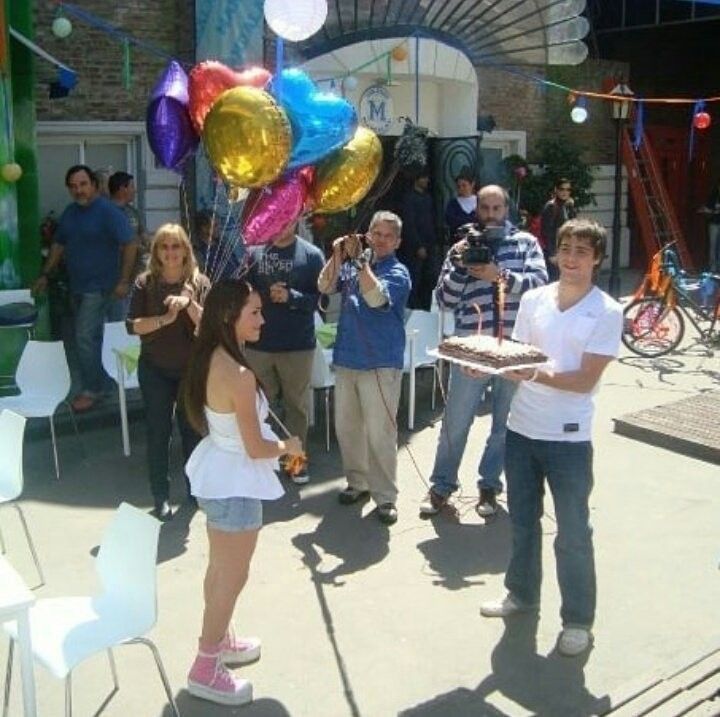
point(227, 241)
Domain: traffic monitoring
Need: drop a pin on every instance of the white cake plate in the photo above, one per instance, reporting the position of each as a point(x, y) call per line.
point(435, 353)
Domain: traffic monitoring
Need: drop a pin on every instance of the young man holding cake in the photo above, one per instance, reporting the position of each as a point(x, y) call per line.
point(470, 290)
point(549, 432)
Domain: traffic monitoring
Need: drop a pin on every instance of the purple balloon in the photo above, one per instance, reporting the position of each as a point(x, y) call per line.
point(170, 132)
point(268, 212)
point(173, 83)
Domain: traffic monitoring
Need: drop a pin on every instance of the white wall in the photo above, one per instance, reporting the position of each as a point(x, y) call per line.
point(604, 190)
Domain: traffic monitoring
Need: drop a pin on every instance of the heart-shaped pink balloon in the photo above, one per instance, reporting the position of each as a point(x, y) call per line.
point(268, 212)
point(210, 79)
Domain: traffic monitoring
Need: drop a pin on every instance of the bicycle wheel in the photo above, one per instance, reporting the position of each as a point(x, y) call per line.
point(651, 328)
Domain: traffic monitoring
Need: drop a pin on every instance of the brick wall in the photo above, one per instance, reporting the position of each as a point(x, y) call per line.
point(98, 57)
point(518, 103)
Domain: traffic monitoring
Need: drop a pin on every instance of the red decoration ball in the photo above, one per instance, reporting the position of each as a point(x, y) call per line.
point(701, 120)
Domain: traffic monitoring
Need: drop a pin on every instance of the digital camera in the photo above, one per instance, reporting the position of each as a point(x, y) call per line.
point(482, 244)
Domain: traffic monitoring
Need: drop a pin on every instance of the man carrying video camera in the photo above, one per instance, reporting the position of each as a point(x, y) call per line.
point(468, 285)
point(368, 359)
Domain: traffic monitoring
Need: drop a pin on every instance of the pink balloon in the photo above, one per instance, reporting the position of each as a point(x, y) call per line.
point(268, 212)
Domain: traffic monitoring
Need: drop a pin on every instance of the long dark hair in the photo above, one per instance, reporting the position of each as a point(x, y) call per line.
point(221, 310)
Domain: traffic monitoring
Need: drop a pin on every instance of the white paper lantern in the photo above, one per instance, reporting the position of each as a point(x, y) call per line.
point(296, 20)
point(61, 27)
point(350, 83)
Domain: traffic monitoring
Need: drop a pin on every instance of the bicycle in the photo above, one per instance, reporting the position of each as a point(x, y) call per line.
point(654, 321)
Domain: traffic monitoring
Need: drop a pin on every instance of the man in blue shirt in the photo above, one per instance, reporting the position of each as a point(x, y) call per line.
point(285, 274)
point(368, 359)
point(96, 241)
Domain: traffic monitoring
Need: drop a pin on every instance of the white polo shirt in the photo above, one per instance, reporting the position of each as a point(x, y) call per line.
point(593, 325)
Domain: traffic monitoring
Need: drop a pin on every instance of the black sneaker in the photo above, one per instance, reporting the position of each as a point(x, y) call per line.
point(387, 513)
point(487, 504)
point(163, 511)
point(433, 503)
point(349, 495)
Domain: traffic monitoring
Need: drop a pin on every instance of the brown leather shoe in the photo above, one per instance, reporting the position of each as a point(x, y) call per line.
point(82, 402)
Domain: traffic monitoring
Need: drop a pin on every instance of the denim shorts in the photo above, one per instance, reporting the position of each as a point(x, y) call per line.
point(232, 515)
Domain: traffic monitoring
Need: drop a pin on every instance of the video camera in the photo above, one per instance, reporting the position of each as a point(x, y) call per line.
point(482, 243)
point(356, 251)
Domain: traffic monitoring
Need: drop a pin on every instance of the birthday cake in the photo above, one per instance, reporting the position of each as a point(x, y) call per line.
point(488, 351)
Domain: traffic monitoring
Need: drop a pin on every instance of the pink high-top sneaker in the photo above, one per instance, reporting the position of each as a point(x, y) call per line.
point(239, 650)
point(211, 680)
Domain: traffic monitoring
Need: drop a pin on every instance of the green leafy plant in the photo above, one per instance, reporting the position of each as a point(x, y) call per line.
point(556, 157)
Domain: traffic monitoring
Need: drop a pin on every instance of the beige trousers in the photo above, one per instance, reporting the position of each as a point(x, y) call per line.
point(366, 405)
point(286, 375)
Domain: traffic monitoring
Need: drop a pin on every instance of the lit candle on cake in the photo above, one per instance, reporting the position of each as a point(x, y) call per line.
point(500, 298)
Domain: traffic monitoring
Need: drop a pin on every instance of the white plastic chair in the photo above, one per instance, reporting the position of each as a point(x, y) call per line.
point(43, 378)
point(12, 431)
point(65, 631)
point(323, 377)
point(421, 332)
point(116, 338)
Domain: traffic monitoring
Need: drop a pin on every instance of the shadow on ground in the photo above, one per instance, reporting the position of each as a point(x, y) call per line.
point(453, 566)
point(543, 685)
point(190, 706)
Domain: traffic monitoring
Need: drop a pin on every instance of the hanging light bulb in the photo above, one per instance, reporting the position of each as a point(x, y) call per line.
point(579, 112)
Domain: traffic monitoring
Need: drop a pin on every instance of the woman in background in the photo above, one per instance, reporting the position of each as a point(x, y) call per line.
point(231, 471)
point(165, 309)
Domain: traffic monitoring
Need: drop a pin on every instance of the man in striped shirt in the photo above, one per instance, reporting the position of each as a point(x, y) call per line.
point(470, 292)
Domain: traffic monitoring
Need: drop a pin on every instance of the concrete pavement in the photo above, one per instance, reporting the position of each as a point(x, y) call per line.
point(358, 619)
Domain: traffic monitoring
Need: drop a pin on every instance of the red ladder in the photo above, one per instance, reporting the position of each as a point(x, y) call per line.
point(655, 213)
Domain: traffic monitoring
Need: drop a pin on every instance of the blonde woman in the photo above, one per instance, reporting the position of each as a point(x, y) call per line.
point(164, 311)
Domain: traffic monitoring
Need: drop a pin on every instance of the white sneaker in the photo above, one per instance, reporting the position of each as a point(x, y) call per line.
point(501, 608)
point(573, 641)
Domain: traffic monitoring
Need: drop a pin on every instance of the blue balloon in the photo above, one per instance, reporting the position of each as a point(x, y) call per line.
point(321, 122)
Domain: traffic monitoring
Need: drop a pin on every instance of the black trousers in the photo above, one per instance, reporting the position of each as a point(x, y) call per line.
point(160, 389)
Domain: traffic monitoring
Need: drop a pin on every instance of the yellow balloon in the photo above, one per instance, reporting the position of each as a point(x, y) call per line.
point(247, 136)
point(345, 177)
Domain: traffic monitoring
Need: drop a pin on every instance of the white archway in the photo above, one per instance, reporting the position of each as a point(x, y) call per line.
point(447, 81)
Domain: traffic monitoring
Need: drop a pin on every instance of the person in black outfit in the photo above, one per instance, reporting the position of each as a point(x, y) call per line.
point(554, 214)
point(419, 247)
point(462, 209)
point(165, 310)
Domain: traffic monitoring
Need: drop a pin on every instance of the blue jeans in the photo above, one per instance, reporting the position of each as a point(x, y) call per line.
point(567, 467)
point(91, 310)
point(464, 397)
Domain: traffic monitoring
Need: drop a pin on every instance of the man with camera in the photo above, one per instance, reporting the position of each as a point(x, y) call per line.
point(368, 358)
point(469, 281)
